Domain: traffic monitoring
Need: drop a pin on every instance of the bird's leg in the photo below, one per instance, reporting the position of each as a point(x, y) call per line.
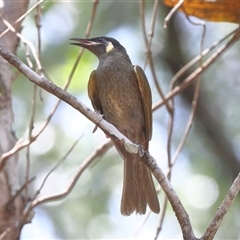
point(102, 116)
point(95, 129)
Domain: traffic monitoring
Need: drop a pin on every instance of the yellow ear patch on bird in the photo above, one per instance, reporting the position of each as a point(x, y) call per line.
point(109, 47)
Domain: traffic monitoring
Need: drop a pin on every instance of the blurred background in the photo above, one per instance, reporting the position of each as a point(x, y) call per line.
point(206, 167)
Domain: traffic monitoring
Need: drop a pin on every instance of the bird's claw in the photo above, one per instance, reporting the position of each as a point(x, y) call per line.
point(102, 116)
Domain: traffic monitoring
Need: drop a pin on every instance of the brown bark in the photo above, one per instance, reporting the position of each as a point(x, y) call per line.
point(10, 207)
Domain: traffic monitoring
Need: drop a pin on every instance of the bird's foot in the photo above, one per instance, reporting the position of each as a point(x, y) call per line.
point(101, 117)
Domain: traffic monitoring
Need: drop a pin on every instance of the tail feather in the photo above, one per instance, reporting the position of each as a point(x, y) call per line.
point(138, 188)
point(129, 197)
point(150, 190)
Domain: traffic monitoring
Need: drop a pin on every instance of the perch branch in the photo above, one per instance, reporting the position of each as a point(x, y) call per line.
point(110, 130)
point(95, 117)
point(175, 202)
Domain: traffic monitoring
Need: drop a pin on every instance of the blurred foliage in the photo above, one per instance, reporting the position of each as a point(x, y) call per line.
point(92, 210)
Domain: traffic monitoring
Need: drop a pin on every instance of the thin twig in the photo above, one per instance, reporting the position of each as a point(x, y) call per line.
point(38, 25)
point(11, 200)
point(141, 225)
point(24, 40)
point(28, 56)
point(222, 210)
point(173, 10)
point(194, 101)
point(169, 139)
point(149, 54)
point(148, 43)
point(22, 17)
point(153, 22)
point(162, 216)
point(199, 70)
point(98, 152)
point(34, 98)
point(88, 30)
point(30, 129)
point(57, 165)
point(151, 64)
point(198, 57)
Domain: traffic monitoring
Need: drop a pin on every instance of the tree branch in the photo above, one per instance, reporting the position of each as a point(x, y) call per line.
point(189, 80)
point(147, 159)
point(110, 130)
point(175, 202)
point(222, 210)
point(95, 117)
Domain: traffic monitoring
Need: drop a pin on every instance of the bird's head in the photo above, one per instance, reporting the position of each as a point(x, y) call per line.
point(100, 45)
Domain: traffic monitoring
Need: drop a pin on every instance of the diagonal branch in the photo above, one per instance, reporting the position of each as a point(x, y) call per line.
point(148, 160)
point(222, 210)
point(68, 98)
point(110, 130)
point(98, 152)
point(175, 202)
point(190, 79)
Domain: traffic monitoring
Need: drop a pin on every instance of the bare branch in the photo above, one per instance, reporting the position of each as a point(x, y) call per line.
point(162, 216)
point(141, 225)
point(109, 130)
point(198, 58)
point(199, 70)
point(194, 101)
point(57, 165)
point(175, 202)
point(22, 17)
point(174, 9)
point(149, 55)
point(222, 210)
point(98, 152)
point(25, 41)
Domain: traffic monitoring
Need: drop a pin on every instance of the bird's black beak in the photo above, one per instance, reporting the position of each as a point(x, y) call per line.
point(85, 43)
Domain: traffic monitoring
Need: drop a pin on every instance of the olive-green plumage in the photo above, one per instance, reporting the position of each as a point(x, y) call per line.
point(120, 91)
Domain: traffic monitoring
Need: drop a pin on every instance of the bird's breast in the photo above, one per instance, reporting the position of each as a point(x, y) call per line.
point(120, 95)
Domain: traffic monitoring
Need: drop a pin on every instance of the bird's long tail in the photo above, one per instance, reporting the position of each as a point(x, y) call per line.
point(138, 188)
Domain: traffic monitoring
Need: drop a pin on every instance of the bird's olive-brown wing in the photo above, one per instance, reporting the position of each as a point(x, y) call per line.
point(93, 92)
point(146, 96)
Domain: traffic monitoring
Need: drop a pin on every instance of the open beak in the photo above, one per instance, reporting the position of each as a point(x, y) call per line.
point(85, 43)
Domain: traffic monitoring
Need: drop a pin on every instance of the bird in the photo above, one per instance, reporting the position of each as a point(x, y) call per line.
point(120, 92)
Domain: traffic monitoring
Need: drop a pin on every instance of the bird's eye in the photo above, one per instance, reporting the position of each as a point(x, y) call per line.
point(100, 40)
